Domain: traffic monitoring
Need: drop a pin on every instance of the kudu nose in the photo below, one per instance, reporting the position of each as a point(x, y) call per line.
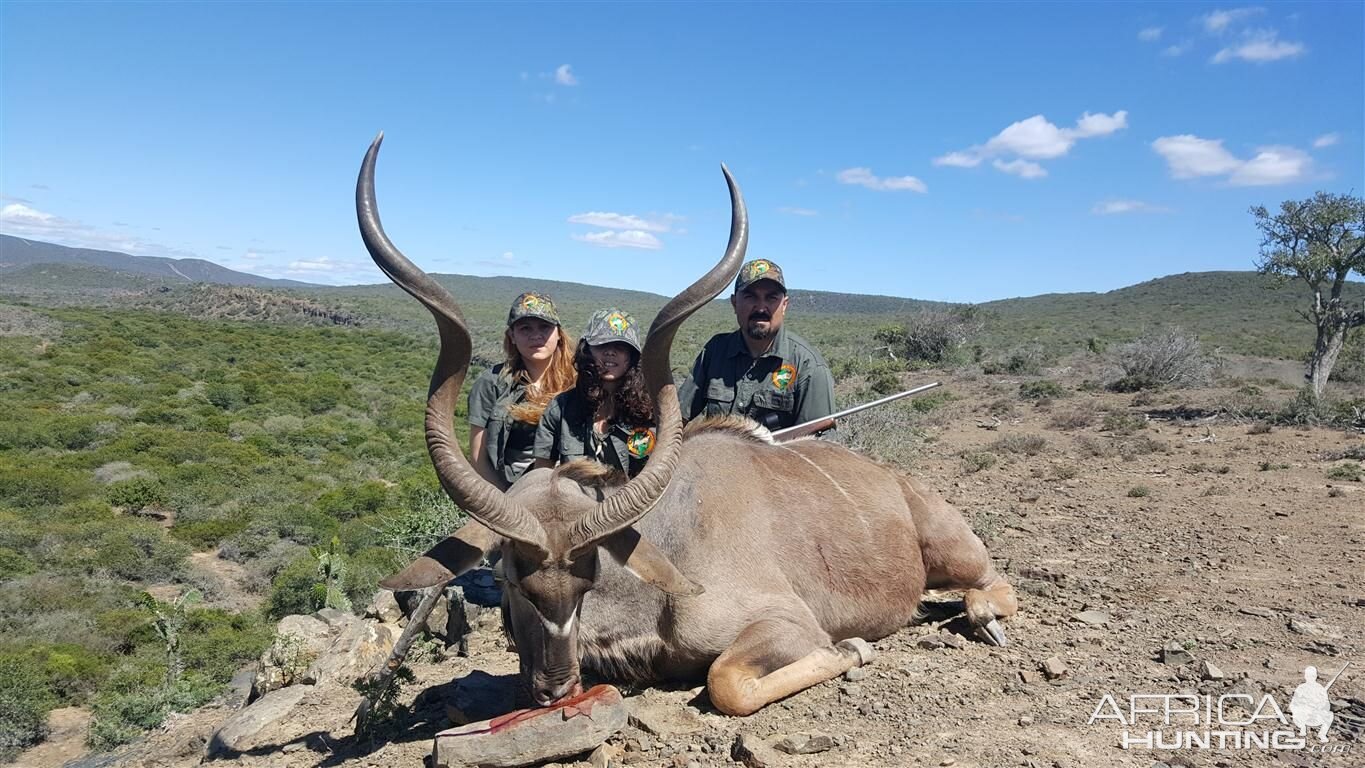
point(548, 694)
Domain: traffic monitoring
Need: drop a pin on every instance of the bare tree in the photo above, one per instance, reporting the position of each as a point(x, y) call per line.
point(1320, 241)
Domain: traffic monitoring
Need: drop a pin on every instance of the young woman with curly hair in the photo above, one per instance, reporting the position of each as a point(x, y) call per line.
point(608, 416)
point(506, 402)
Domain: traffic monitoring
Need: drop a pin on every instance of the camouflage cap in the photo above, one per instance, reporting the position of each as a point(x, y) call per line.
point(608, 325)
point(758, 269)
point(532, 304)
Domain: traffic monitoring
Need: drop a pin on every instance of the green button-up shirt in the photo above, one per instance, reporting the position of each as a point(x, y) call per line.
point(507, 442)
point(566, 433)
point(788, 385)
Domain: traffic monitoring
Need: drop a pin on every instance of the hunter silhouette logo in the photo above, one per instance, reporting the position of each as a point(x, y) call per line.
point(618, 322)
point(784, 377)
point(1232, 721)
point(640, 443)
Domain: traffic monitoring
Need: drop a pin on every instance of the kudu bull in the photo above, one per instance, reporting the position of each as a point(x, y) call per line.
point(762, 566)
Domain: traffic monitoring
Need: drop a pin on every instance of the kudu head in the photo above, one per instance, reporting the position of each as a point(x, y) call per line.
point(551, 525)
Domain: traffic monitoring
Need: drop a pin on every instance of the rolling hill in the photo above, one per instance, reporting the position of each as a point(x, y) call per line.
point(17, 253)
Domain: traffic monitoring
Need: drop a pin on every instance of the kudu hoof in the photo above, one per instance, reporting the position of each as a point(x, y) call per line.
point(992, 633)
point(866, 653)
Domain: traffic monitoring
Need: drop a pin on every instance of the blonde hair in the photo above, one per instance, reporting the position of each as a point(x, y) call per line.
point(560, 375)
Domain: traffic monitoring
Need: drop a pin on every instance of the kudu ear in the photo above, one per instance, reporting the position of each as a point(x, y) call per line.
point(647, 563)
point(459, 552)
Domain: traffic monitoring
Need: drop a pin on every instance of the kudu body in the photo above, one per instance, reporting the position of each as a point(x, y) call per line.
point(763, 567)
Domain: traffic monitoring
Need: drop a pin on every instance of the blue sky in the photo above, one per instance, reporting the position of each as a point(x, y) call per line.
point(961, 152)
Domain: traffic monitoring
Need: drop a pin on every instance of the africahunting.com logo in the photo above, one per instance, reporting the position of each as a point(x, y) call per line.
point(1235, 721)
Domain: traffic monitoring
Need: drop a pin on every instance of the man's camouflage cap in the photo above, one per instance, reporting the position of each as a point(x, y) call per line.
point(532, 304)
point(758, 269)
point(608, 325)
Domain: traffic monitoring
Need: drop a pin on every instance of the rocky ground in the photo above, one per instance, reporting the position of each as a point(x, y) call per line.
point(1157, 548)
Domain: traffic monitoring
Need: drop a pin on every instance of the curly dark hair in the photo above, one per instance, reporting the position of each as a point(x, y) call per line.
point(632, 402)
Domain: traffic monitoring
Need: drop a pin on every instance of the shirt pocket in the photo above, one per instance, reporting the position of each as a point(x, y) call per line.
point(770, 400)
point(720, 397)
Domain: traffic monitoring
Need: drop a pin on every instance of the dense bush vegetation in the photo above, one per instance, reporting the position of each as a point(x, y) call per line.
point(131, 439)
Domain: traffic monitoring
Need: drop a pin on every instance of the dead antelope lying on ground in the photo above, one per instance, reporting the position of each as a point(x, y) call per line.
point(762, 566)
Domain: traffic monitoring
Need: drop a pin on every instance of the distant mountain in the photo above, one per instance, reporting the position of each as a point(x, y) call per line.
point(18, 253)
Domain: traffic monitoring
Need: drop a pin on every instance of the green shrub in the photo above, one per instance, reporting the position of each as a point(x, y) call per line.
point(1345, 471)
point(292, 590)
point(136, 494)
point(1123, 423)
point(1030, 445)
point(977, 461)
point(138, 551)
point(1021, 361)
point(1139, 491)
point(1043, 389)
point(24, 703)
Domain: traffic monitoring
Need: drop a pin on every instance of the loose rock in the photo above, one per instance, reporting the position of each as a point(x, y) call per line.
point(1054, 668)
point(533, 736)
point(665, 719)
point(1175, 654)
point(243, 730)
point(1208, 671)
point(1093, 618)
point(805, 744)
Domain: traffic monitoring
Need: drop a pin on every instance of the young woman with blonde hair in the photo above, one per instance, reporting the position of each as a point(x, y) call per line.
point(506, 402)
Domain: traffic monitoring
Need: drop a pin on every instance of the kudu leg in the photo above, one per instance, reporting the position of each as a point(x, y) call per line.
point(955, 559)
point(774, 658)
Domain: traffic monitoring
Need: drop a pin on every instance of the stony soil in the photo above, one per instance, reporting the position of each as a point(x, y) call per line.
point(1226, 539)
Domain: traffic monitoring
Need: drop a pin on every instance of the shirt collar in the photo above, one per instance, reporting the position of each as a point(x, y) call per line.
point(781, 348)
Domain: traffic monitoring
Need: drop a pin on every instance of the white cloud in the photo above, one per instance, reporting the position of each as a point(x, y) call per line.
point(1260, 48)
point(1020, 167)
point(18, 214)
point(864, 177)
point(623, 221)
point(506, 260)
point(1219, 21)
point(1190, 157)
point(1150, 34)
point(630, 238)
point(1326, 140)
point(1090, 125)
point(1273, 165)
point(1179, 49)
point(565, 76)
point(959, 160)
point(1113, 207)
point(798, 211)
point(1035, 138)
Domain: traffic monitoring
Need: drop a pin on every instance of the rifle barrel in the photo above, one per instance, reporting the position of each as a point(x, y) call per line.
point(777, 435)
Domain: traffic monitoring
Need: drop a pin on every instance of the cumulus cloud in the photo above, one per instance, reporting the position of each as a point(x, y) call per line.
point(622, 221)
point(1024, 169)
point(1190, 157)
point(1179, 49)
point(1326, 140)
point(565, 76)
point(628, 238)
point(1259, 48)
point(1114, 207)
point(1218, 22)
point(1150, 34)
point(1032, 139)
point(793, 211)
point(863, 177)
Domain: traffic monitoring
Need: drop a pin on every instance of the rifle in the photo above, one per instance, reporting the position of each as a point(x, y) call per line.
point(820, 425)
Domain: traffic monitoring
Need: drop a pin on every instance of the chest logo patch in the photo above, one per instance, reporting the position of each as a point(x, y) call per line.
point(784, 377)
point(640, 443)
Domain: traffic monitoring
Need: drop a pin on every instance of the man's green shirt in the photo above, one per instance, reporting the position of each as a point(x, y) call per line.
point(789, 385)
